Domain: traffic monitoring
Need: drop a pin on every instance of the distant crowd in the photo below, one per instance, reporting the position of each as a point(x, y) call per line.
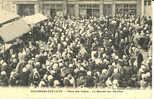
point(105, 52)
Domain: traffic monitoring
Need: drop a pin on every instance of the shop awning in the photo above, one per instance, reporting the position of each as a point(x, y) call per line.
point(34, 19)
point(6, 16)
point(13, 30)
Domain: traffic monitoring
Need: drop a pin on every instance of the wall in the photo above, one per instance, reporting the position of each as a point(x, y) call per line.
point(10, 5)
point(148, 9)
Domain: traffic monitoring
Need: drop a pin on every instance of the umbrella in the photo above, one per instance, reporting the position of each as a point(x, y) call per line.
point(6, 16)
point(34, 19)
point(13, 30)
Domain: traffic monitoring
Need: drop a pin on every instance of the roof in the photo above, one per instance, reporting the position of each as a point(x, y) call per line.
point(13, 30)
point(34, 19)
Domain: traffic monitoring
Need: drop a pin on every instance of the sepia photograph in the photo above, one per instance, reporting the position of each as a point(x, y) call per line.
point(76, 44)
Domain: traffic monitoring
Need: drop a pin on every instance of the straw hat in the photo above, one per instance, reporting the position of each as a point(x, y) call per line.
point(76, 70)
point(24, 70)
point(13, 56)
point(14, 60)
point(45, 76)
point(70, 65)
point(3, 73)
point(45, 54)
point(89, 73)
point(41, 84)
point(148, 74)
point(47, 63)
point(50, 77)
point(37, 56)
point(104, 71)
point(115, 84)
point(28, 66)
point(52, 72)
point(37, 64)
point(56, 82)
point(55, 66)
point(4, 64)
point(81, 68)
point(2, 61)
point(116, 70)
point(113, 64)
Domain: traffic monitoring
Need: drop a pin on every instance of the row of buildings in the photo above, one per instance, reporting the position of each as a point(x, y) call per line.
point(78, 7)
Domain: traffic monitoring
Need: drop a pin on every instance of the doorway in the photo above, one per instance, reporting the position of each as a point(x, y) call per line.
point(53, 12)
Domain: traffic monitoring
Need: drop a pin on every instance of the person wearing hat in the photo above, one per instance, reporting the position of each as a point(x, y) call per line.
point(149, 22)
point(37, 65)
point(108, 83)
point(115, 84)
point(14, 62)
point(90, 81)
point(81, 82)
point(57, 70)
point(29, 67)
point(37, 56)
point(34, 78)
point(56, 84)
point(13, 78)
point(139, 58)
point(45, 79)
point(69, 81)
point(116, 74)
point(42, 84)
point(4, 66)
point(50, 81)
point(24, 77)
point(20, 66)
point(143, 84)
point(42, 71)
point(3, 79)
point(103, 77)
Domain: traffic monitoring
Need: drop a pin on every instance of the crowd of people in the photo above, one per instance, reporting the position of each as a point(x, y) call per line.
point(105, 52)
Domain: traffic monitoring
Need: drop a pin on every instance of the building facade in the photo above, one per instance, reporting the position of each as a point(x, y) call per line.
point(8, 5)
point(83, 7)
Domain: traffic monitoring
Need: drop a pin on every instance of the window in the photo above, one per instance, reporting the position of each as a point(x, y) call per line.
point(89, 10)
point(71, 10)
point(126, 9)
point(147, 2)
point(25, 9)
point(107, 10)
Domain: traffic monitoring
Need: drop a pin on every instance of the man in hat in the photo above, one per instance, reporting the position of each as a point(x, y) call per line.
point(69, 81)
point(13, 80)
point(90, 81)
point(139, 58)
point(115, 84)
point(56, 84)
point(103, 77)
point(34, 78)
point(42, 84)
point(4, 66)
point(50, 81)
point(3, 79)
point(108, 83)
point(81, 82)
point(116, 74)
